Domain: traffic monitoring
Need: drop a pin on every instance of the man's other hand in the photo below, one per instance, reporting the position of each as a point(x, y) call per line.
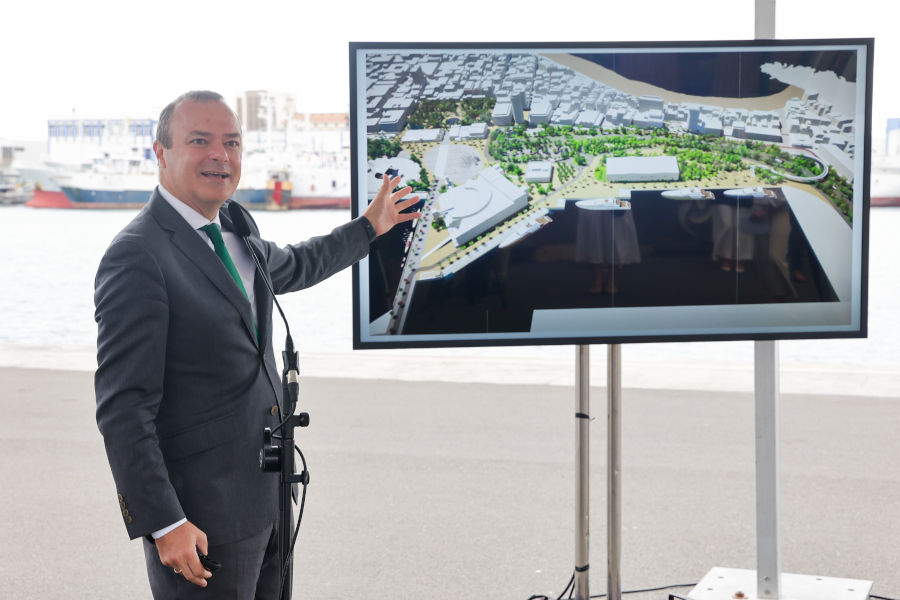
point(384, 211)
point(178, 549)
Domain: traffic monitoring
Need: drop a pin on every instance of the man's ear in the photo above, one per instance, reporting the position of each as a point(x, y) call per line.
point(158, 151)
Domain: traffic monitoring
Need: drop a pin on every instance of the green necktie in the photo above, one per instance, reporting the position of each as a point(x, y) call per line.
point(215, 235)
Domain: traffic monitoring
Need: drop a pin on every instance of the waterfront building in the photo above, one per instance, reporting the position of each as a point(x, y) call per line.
point(762, 134)
point(480, 204)
point(648, 103)
point(422, 136)
point(539, 172)
point(642, 168)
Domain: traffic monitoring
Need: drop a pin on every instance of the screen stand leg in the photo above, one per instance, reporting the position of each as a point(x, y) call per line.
point(768, 510)
point(582, 471)
point(614, 472)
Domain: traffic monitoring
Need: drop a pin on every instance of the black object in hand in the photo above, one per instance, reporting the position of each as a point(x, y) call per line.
point(208, 563)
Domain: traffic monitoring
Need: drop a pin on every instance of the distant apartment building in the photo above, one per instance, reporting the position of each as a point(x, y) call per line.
point(136, 134)
point(258, 110)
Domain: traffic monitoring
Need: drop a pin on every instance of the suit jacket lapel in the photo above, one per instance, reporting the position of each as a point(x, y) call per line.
point(193, 246)
point(263, 297)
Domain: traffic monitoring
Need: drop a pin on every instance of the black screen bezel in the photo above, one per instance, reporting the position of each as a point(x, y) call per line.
point(869, 43)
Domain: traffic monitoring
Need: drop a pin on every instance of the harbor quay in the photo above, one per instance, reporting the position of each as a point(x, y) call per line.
point(423, 489)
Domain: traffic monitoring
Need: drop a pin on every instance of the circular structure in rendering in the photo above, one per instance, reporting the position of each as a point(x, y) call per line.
point(459, 163)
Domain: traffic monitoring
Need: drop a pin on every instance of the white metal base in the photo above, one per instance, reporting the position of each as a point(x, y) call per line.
point(722, 584)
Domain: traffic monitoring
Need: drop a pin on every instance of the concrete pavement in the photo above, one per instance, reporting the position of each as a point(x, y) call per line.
point(441, 490)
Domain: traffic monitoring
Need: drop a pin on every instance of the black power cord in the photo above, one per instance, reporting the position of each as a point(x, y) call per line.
point(571, 585)
point(287, 559)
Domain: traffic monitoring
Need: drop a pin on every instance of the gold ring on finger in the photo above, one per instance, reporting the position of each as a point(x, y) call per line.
point(178, 571)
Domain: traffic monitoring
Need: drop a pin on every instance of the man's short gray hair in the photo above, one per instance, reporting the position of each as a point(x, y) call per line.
point(162, 128)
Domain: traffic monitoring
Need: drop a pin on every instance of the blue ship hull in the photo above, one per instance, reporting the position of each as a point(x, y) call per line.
point(84, 198)
point(107, 198)
point(249, 196)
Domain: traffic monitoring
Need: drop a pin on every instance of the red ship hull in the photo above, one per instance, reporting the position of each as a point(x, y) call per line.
point(318, 202)
point(44, 199)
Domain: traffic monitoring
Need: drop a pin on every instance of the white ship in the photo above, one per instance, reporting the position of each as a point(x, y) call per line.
point(693, 193)
point(608, 203)
point(751, 192)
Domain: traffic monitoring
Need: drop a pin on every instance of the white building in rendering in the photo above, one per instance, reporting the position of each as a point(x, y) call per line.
point(839, 160)
point(475, 131)
point(539, 172)
point(541, 111)
point(503, 113)
point(642, 168)
point(480, 204)
point(551, 93)
point(422, 136)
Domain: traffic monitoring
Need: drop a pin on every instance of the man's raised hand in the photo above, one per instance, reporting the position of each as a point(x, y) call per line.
point(384, 211)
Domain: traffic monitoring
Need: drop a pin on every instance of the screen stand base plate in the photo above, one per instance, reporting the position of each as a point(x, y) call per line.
point(722, 584)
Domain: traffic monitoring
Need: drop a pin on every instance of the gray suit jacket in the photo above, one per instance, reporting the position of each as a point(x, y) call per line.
point(183, 388)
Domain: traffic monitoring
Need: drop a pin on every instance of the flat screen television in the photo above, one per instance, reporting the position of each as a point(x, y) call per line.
point(590, 193)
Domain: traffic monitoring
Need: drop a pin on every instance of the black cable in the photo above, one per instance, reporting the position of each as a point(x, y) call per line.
point(656, 589)
point(571, 584)
point(287, 559)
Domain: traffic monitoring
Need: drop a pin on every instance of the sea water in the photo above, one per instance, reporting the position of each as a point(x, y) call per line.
point(48, 260)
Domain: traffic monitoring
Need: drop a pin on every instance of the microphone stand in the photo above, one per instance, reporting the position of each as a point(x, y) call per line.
point(280, 459)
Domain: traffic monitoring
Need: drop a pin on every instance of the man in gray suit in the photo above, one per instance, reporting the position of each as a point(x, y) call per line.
point(186, 378)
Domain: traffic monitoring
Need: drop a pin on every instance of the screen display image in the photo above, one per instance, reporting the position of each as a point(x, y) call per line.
point(604, 193)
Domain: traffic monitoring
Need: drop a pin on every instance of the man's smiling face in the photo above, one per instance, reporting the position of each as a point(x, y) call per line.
point(203, 166)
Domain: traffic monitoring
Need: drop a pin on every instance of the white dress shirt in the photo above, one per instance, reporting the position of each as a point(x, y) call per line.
point(236, 247)
point(242, 260)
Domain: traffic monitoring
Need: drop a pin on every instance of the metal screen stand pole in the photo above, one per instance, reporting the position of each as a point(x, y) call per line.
point(582, 470)
point(614, 470)
point(768, 491)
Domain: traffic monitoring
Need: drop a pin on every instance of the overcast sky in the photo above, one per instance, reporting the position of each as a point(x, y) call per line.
point(130, 58)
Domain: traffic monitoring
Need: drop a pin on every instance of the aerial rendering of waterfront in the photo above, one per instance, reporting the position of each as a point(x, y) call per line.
point(733, 198)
